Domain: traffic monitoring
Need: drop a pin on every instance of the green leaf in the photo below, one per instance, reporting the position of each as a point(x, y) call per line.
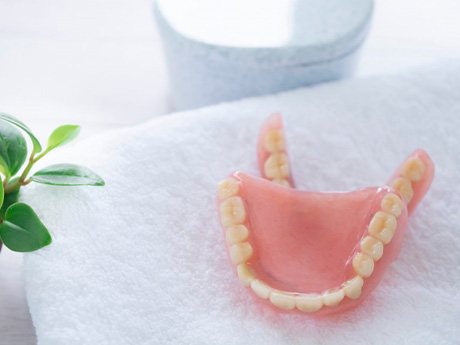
point(10, 199)
point(13, 149)
point(62, 135)
point(2, 192)
point(22, 230)
point(67, 175)
point(37, 147)
point(3, 168)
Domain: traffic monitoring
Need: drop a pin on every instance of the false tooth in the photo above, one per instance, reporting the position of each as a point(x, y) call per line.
point(363, 264)
point(274, 141)
point(372, 247)
point(353, 287)
point(282, 300)
point(309, 303)
point(383, 226)
point(413, 169)
point(261, 289)
point(404, 187)
point(333, 297)
point(391, 203)
point(241, 252)
point(236, 234)
point(244, 274)
point(276, 166)
point(232, 211)
point(227, 188)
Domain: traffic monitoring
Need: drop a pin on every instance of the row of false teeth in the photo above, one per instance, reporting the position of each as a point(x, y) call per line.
point(276, 167)
point(380, 232)
point(306, 302)
point(383, 225)
point(412, 171)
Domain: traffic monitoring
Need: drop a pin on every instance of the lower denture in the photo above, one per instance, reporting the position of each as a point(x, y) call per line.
point(315, 252)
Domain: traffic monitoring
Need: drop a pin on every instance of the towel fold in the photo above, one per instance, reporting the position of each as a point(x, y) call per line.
point(143, 259)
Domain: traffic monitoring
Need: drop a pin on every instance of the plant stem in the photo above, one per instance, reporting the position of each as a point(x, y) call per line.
point(22, 179)
point(27, 169)
point(15, 186)
point(39, 156)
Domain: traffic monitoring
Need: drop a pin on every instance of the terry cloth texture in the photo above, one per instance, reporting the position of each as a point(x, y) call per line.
point(143, 260)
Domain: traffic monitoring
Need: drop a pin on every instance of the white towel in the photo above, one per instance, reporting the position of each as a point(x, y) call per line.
point(143, 261)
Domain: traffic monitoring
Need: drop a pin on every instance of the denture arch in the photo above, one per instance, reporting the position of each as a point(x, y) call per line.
point(314, 252)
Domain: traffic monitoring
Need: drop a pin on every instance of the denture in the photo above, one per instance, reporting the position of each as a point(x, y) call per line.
point(314, 252)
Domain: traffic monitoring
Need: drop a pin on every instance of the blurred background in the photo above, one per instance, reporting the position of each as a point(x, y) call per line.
point(100, 64)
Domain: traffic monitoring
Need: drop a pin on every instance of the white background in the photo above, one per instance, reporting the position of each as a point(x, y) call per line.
point(99, 63)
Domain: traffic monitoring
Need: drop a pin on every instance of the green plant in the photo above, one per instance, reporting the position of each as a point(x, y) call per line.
point(20, 228)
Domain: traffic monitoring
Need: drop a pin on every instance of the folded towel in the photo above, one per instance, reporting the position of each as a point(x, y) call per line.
point(143, 260)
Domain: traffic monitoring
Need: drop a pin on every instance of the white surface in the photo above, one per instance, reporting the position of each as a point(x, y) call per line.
point(143, 260)
point(98, 63)
point(265, 23)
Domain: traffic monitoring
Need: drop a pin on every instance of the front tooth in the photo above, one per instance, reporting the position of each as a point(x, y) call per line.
point(227, 188)
point(372, 247)
point(309, 303)
point(333, 297)
point(232, 211)
point(276, 166)
point(244, 274)
point(274, 141)
point(383, 226)
point(261, 289)
point(404, 187)
point(282, 300)
point(363, 265)
point(413, 169)
point(391, 203)
point(353, 287)
point(236, 234)
point(241, 252)
point(282, 182)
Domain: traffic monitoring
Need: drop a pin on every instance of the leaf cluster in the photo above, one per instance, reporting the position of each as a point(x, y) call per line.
point(21, 229)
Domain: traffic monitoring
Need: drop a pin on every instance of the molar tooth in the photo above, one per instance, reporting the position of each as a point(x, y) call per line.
point(282, 182)
point(276, 166)
point(404, 187)
point(236, 234)
point(261, 289)
point(383, 226)
point(309, 303)
point(240, 252)
point(227, 188)
point(333, 297)
point(353, 287)
point(232, 211)
point(282, 300)
point(274, 141)
point(385, 235)
point(391, 203)
point(413, 169)
point(363, 265)
point(244, 274)
point(372, 247)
